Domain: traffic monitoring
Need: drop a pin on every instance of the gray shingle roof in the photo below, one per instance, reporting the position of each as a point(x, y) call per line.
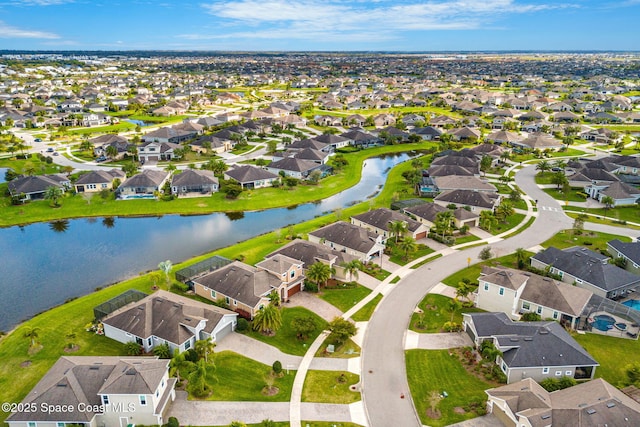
point(310, 252)
point(246, 173)
point(192, 177)
point(629, 250)
point(146, 178)
point(36, 184)
point(348, 235)
point(382, 217)
point(293, 164)
point(480, 199)
point(427, 211)
point(100, 177)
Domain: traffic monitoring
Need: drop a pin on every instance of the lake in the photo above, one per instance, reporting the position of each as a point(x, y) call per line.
point(44, 264)
point(3, 171)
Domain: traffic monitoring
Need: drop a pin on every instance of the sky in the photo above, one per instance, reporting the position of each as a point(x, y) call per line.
point(320, 25)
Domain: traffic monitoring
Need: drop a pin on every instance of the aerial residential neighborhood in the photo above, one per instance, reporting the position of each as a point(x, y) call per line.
point(405, 215)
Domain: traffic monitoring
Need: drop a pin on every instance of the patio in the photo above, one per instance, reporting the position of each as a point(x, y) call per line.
point(605, 323)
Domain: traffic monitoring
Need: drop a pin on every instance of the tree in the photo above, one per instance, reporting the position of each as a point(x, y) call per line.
point(268, 320)
point(504, 210)
point(232, 189)
point(485, 164)
point(274, 298)
point(515, 196)
point(54, 194)
point(218, 167)
point(559, 179)
point(32, 334)
point(543, 166)
point(521, 257)
point(444, 222)
point(162, 351)
point(351, 268)
point(397, 229)
point(111, 152)
point(204, 348)
point(578, 223)
point(133, 348)
point(608, 203)
point(487, 220)
point(341, 330)
point(463, 290)
point(303, 326)
point(408, 246)
point(454, 305)
point(319, 273)
point(485, 253)
point(198, 380)
point(272, 146)
point(166, 267)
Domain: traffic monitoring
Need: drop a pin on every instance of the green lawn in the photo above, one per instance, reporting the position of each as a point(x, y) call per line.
point(571, 196)
point(120, 127)
point(242, 379)
point(436, 313)
point(19, 165)
point(365, 313)
point(431, 371)
point(285, 339)
point(346, 351)
point(398, 257)
point(240, 149)
point(330, 387)
point(511, 222)
point(622, 213)
point(472, 272)
point(426, 261)
point(592, 239)
point(375, 271)
point(612, 353)
point(466, 239)
point(601, 220)
point(344, 298)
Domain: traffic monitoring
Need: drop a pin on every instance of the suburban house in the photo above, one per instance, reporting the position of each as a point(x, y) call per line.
point(622, 194)
point(167, 318)
point(308, 253)
point(245, 289)
point(379, 221)
point(515, 292)
point(34, 187)
point(98, 180)
point(587, 269)
point(194, 182)
point(146, 182)
point(477, 201)
point(456, 182)
point(630, 252)
point(310, 143)
point(294, 167)
point(103, 391)
point(540, 141)
point(102, 142)
point(350, 239)
point(169, 134)
point(251, 177)
point(591, 403)
point(333, 141)
point(536, 350)
point(156, 151)
point(426, 213)
point(211, 143)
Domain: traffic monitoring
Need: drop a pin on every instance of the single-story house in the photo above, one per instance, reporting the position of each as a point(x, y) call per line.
point(426, 213)
point(630, 252)
point(194, 182)
point(167, 318)
point(587, 269)
point(536, 350)
point(350, 239)
point(146, 182)
point(622, 194)
point(245, 289)
point(477, 201)
point(517, 292)
point(98, 180)
point(169, 134)
point(251, 177)
point(379, 221)
point(212, 144)
point(102, 390)
point(591, 403)
point(34, 187)
point(294, 167)
point(456, 182)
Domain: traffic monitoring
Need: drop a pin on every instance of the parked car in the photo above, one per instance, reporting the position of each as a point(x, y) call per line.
point(37, 140)
point(55, 153)
point(101, 159)
point(50, 150)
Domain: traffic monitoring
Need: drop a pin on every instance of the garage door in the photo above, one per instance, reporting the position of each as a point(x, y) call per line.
point(421, 235)
point(224, 331)
point(293, 290)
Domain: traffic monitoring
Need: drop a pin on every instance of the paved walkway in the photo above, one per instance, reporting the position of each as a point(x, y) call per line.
point(367, 281)
point(317, 305)
point(443, 341)
point(386, 264)
point(478, 232)
point(257, 350)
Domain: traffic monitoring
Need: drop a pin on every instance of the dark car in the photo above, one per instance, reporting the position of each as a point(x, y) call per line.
point(50, 150)
point(37, 140)
point(556, 169)
point(101, 159)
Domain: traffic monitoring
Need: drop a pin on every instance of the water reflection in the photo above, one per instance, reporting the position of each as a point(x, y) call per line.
point(59, 226)
point(109, 221)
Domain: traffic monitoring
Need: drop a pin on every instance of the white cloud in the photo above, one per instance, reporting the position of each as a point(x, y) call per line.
point(9, 32)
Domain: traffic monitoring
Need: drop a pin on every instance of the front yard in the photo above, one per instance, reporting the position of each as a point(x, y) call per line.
point(593, 240)
point(436, 311)
point(344, 295)
point(330, 387)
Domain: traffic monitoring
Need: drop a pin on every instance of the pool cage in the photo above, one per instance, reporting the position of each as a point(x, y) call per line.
point(600, 305)
point(108, 307)
point(208, 265)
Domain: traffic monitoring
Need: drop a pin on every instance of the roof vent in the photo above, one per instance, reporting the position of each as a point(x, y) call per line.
point(130, 372)
point(93, 368)
point(591, 411)
point(61, 384)
point(546, 416)
point(528, 339)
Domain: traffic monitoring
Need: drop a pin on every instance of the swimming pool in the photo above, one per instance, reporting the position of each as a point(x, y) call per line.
point(602, 322)
point(633, 303)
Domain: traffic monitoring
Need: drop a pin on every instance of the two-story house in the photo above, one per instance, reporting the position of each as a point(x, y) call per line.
point(350, 239)
point(379, 221)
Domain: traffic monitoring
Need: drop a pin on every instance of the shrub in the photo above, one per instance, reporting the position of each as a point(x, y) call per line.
point(277, 367)
point(172, 422)
point(530, 317)
point(191, 355)
point(310, 287)
point(243, 325)
point(451, 327)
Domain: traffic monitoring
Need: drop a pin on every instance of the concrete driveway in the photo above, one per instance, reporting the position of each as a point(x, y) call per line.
point(312, 302)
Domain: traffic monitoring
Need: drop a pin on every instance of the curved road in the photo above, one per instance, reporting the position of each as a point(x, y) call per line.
point(384, 376)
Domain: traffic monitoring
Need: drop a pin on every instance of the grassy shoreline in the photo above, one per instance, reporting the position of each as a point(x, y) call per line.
point(267, 198)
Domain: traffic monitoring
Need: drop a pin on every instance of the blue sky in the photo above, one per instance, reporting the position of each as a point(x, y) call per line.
point(373, 25)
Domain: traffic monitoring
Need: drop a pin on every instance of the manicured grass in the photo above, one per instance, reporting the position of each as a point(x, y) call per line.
point(375, 271)
point(242, 148)
point(622, 213)
point(395, 279)
point(330, 387)
point(346, 351)
point(466, 239)
point(431, 371)
point(601, 220)
point(285, 339)
point(365, 313)
point(120, 127)
point(344, 298)
point(242, 379)
point(511, 222)
point(612, 353)
point(19, 165)
point(472, 272)
point(436, 313)
point(398, 257)
point(571, 196)
point(426, 261)
point(591, 239)
point(571, 152)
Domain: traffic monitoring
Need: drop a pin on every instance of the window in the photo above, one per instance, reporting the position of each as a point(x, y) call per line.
point(143, 400)
point(526, 305)
point(504, 367)
point(486, 286)
point(187, 345)
point(149, 341)
point(539, 310)
point(227, 300)
point(235, 302)
point(105, 399)
point(104, 185)
point(501, 292)
point(157, 393)
point(213, 294)
point(59, 424)
point(545, 370)
point(31, 424)
point(568, 373)
point(558, 373)
point(555, 315)
point(293, 274)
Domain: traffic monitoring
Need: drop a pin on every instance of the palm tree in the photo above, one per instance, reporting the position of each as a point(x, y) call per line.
point(32, 334)
point(166, 266)
point(112, 152)
point(268, 320)
point(521, 256)
point(408, 245)
point(444, 221)
point(463, 290)
point(608, 203)
point(162, 351)
point(204, 348)
point(53, 193)
point(487, 220)
point(133, 348)
point(351, 268)
point(397, 228)
point(319, 273)
point(504, 210)
point(198, 380)
point(543, 166)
